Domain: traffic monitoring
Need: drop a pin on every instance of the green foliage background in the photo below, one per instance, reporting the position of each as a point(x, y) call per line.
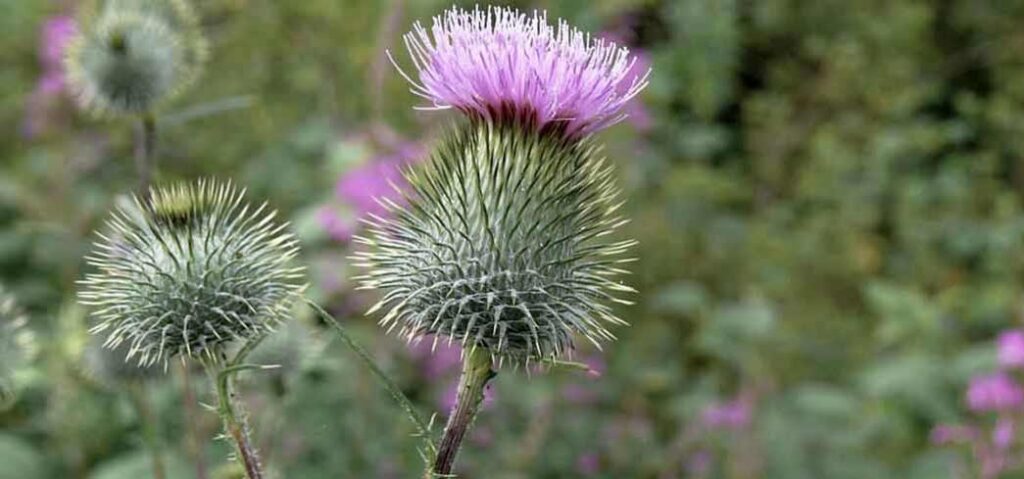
point(829, 206)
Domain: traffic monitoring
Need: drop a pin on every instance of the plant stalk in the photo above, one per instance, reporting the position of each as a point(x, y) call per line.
point(149, 428)
point(145, 154)
point(477, 371)
point(428, 451)
point(235, 427)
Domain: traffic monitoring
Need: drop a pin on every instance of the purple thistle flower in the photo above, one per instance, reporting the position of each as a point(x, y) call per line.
point(994, 392)
point(944, 434)
point(57, 33)
point(1004, 433)
point(1011, 348)
point(588, 464)
point(735, 414)
point(506, 66)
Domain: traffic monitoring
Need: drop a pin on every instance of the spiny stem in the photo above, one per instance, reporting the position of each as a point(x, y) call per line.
point(145, 153)
point(477, 371)
point(149, 427)
point(233, 425)
point(422, 427)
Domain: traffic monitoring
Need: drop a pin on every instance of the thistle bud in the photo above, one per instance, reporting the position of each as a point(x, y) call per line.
point(503, 245)
point(189, 272)
point(134, 56)
point(17, 346)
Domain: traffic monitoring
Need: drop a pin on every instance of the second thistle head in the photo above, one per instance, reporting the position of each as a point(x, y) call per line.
point(189, 272)
point(132, 57)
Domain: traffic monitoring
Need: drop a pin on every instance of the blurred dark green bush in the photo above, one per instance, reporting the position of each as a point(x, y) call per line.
point(828, 197)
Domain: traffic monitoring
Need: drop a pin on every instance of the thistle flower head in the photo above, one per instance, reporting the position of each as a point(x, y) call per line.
point(508, 66)
point(17, 345)
point(189, 272)
point(502, 244)
point(131, 57)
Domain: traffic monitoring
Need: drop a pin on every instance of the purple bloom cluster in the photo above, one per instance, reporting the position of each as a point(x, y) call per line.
point(506, 66)
point(994, 392)
point(1011, 348)
point(733, 415)
point(55, 35)
point(363, 188)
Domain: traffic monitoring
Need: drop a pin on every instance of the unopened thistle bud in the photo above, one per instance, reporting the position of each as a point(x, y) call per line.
point(190, 272)
point(17, 346)
point(130, 57)
point(504, 239)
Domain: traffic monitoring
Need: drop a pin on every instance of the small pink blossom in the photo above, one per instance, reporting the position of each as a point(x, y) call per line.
point(588, 464)
point(735, 414)
point(946, 434)
point(1011, 348)
point(994, 392)
point(1004, 432)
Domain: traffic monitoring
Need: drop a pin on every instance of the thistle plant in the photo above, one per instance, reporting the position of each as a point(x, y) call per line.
point(130, 58)
point(503, 243)
point(195, 272)
point(17, 347)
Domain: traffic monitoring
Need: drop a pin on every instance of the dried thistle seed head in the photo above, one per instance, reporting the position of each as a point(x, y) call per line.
point(109, 366)
point(504, 245)
point(133, 56)
point(189, 273)
point(17, 345)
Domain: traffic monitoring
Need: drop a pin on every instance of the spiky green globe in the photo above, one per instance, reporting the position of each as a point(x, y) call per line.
point(504, 244)
point(17, 345)
point(189, 273)
point(133, 56)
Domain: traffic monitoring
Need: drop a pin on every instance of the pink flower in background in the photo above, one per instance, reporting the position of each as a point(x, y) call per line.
point(504, 65)
point(588, 464)
point(436, 362)
point(55, 35)
point(699, 463)
point(994, 392)
point(1004, 433)
point(735, 414)
point(1011, 348)
point(360, 189)
point(945, 434)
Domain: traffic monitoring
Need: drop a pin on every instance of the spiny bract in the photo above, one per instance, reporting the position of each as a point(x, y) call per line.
point(132, 56)
point(189, 272)
point(503, 245)
point(17, 345)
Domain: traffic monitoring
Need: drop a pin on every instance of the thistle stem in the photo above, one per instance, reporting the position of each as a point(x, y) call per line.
point(477, 371)
point(422, 427)
point(145, 153)
point(149, 428)
point(235, 427)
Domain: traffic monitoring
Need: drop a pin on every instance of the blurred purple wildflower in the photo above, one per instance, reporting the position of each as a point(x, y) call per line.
point(362, 188)
point(503, 65)
point(735, 414)
point(55, 35)
point(994, 392)
point(436, 361)
point(698, 463)
point(1004, 433)
point(1011, 348)
point(945, 434)
point(588, 464)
